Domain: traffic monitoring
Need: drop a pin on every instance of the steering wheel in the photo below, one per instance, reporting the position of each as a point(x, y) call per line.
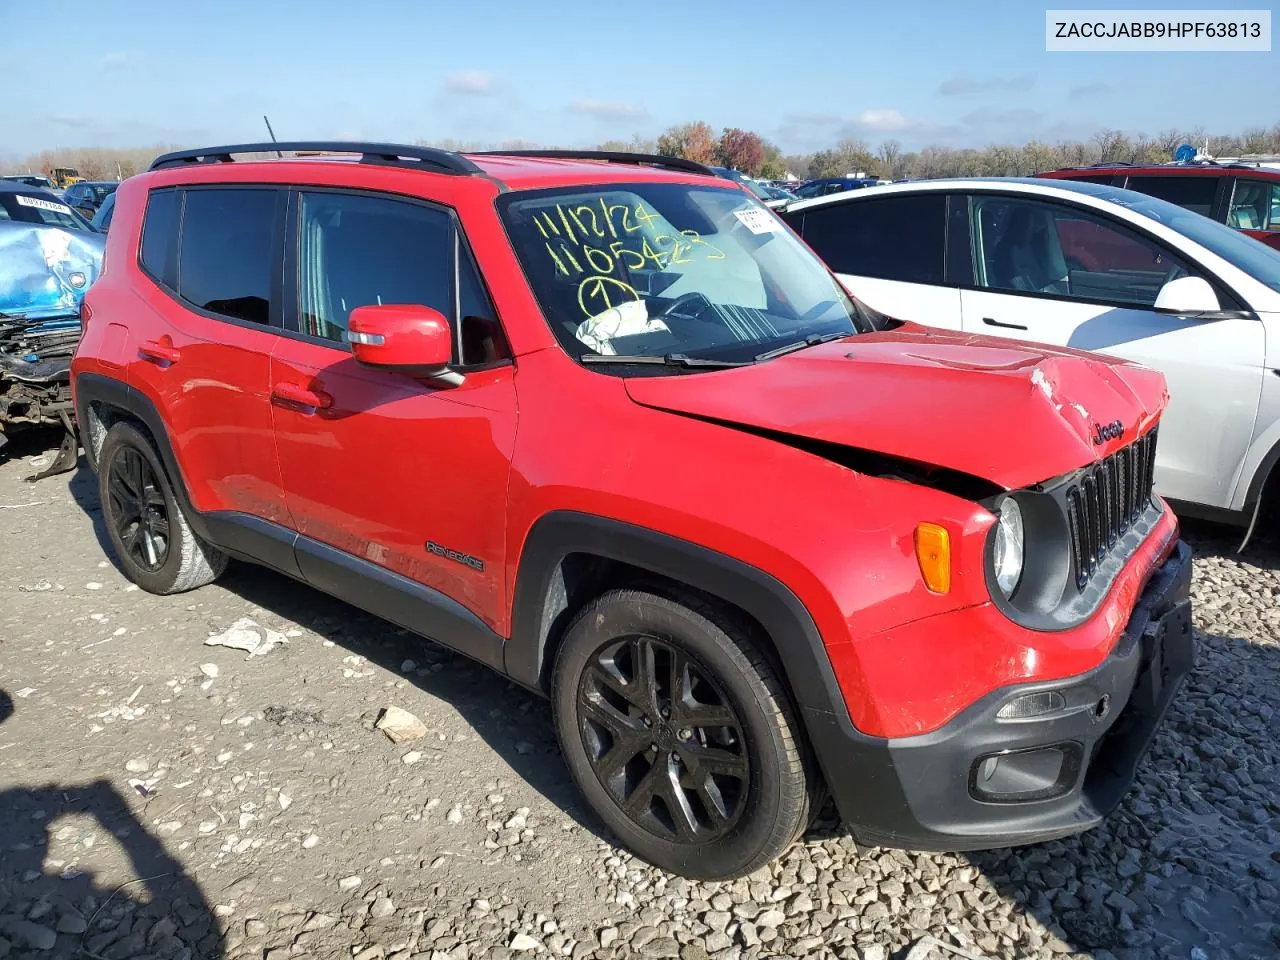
point(678, 305)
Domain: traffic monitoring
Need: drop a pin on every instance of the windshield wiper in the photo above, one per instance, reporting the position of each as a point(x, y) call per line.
point(669, 360)
point(810, 341)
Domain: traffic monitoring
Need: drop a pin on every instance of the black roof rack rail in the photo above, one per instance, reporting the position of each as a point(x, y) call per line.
point(612, 156)
point(440, 161)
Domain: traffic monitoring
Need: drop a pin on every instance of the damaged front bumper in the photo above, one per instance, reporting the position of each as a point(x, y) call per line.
point(35, 372)
point(1035, 761)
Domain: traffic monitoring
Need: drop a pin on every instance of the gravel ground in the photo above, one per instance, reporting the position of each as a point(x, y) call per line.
point(164, 798)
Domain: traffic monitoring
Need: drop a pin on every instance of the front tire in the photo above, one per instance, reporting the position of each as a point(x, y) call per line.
point(153, 543)
point(680, 734)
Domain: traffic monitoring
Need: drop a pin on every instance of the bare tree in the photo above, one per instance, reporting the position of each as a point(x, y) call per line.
point(890, 153)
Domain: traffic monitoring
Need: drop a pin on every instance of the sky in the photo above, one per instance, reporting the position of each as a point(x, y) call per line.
point(803, 73)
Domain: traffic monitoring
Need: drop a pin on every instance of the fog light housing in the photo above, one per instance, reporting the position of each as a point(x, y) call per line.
point(1032, 705)
point(1021, 776)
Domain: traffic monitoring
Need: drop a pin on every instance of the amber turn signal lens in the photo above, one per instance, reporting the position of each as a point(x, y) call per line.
point(933, 553)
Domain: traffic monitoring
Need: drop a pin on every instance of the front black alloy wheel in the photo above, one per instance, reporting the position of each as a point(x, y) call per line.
point(680, 732)
point(137, 509)
point(663, 739)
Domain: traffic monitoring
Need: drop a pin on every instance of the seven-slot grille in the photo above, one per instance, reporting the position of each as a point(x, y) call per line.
point(1104, 502)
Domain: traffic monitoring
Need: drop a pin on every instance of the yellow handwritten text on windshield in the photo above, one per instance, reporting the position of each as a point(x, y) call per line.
point(603, 243)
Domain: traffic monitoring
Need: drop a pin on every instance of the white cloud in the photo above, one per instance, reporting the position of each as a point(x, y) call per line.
point(609, 109)
point(70, 120)
point(471, 83)
point(883, 121)
point(114, 60)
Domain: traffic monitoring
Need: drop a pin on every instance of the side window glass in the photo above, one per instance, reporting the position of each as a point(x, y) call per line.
point(1255, 206)
point(899, 238)
point(1030, 247)
point(1191, 193)
point(481, 339)
point(160, 237)
point(359, 250)
point(227, 255)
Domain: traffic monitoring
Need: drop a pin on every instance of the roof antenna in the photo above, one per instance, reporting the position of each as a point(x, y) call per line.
point(272, 132)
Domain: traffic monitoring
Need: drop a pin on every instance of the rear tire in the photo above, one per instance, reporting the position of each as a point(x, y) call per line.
point(680, 734)
point(153, 543)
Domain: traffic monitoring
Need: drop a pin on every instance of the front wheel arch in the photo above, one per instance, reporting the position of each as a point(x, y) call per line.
point(602, 553)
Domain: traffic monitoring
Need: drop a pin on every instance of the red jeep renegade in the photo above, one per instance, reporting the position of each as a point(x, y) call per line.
point(603, 423)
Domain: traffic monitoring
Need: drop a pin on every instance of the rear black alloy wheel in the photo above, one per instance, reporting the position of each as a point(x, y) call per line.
point(150, 536)
point(664, 740)
point(137, 509)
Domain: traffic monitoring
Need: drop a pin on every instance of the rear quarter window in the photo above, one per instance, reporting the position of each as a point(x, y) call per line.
point(159, 253)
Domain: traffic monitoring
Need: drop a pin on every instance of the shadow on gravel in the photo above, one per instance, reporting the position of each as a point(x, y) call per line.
point(1209, 539)
point(51, 910)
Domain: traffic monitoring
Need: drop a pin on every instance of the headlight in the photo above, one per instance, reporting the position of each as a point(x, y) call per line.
point(1009, 545)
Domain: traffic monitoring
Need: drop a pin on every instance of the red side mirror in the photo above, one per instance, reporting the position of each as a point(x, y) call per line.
point(401, 335)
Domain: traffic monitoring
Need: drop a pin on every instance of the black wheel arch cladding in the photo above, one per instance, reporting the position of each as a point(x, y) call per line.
point(785, 621)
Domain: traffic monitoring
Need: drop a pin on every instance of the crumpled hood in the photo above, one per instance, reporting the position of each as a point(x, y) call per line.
point(45, 270)
point(1011, 413)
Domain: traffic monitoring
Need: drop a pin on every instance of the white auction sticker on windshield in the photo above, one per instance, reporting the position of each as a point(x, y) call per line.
point(758, 221)
point(25, 201)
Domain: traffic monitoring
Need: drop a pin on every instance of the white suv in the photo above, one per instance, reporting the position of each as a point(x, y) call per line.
point(1094, 267)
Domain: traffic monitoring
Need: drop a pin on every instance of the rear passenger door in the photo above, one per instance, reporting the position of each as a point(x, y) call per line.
point(383, 471)
point(889, 252)
point(203, 335)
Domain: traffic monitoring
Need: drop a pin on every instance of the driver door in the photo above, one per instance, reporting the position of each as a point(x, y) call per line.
point(1051, 273)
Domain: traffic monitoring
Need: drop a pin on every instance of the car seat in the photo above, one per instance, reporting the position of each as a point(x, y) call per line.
point(1028, 255)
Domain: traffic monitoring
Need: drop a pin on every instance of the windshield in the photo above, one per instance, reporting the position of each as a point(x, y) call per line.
point(654, 269)
point(1238, 249)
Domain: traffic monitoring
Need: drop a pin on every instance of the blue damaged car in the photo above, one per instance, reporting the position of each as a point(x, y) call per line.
point(49, 257)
